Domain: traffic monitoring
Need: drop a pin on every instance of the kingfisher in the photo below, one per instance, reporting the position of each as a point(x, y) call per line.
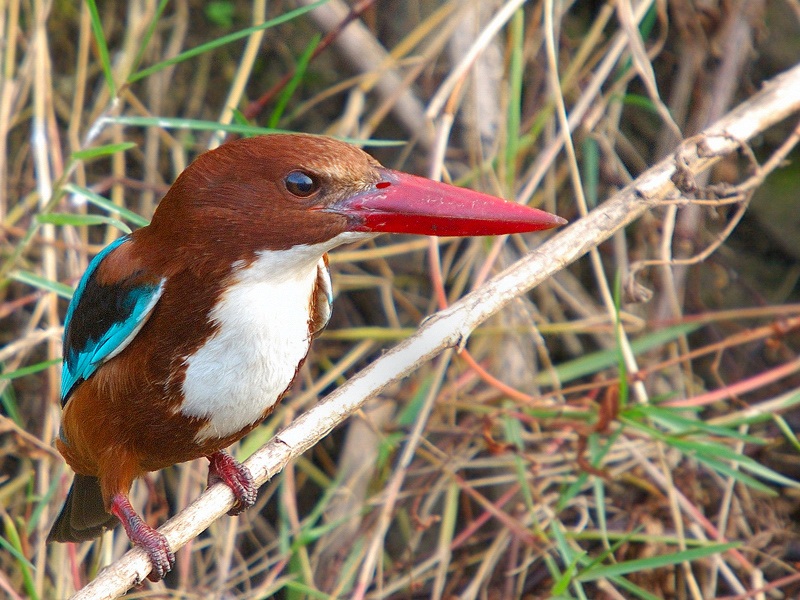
point(183, 336)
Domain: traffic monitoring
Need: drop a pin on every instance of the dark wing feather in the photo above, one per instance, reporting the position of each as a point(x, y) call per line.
point(84, 515)
point(102, 319)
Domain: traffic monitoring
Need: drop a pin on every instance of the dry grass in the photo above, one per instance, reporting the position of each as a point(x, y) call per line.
point(542, 462)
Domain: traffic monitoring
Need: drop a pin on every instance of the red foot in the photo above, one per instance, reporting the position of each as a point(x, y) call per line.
point(223, 467)
point(141, 534)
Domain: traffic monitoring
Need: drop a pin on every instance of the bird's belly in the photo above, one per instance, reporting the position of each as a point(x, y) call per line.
point(246, 366)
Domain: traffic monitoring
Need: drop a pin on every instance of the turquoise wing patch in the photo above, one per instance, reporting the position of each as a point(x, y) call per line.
point(102, 320)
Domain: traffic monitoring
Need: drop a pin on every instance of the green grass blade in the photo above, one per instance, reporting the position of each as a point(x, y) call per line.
point(99, 151)
point(639, 101)
point(13, 544)
point(597, 361)
point(590, 170)
point(81, 220)
point(713, 452)
point(513, 433)
point(741, 477)
point(41, 283)
point(106, 204)
point(237, 128)
point(409, 415)
point(676, 424)
point(787, 431)
point(295, 589)
point(9, 400)
point(622, 367)
point(192, 125)
point(225, 39)
point(239, 118)
point(102, 47)
point(29, 370)
point(591, 562)
point(654, 562)
point(288, 91)
point(714, 456)
point(570, 558)
point(149, 34)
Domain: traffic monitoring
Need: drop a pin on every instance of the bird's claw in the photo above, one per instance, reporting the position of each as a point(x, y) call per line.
point(144, 536)
point(223, 467)
point(161, 555)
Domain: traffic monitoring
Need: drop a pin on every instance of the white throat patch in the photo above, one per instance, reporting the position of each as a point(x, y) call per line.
point(262, 336)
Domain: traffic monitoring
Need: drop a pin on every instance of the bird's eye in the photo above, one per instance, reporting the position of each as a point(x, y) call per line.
point(301, 184)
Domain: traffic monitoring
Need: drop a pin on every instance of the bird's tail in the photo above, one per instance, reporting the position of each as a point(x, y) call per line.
point(84, 515)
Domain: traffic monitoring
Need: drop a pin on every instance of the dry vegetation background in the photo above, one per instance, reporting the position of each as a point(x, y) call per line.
point(545, 467)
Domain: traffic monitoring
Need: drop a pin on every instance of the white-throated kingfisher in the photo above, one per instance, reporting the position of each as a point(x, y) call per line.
point(183, 336)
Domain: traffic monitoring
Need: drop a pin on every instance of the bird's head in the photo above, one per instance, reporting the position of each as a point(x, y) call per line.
point(277, 192)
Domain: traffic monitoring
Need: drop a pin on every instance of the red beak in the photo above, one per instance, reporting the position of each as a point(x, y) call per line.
point(402, 203)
